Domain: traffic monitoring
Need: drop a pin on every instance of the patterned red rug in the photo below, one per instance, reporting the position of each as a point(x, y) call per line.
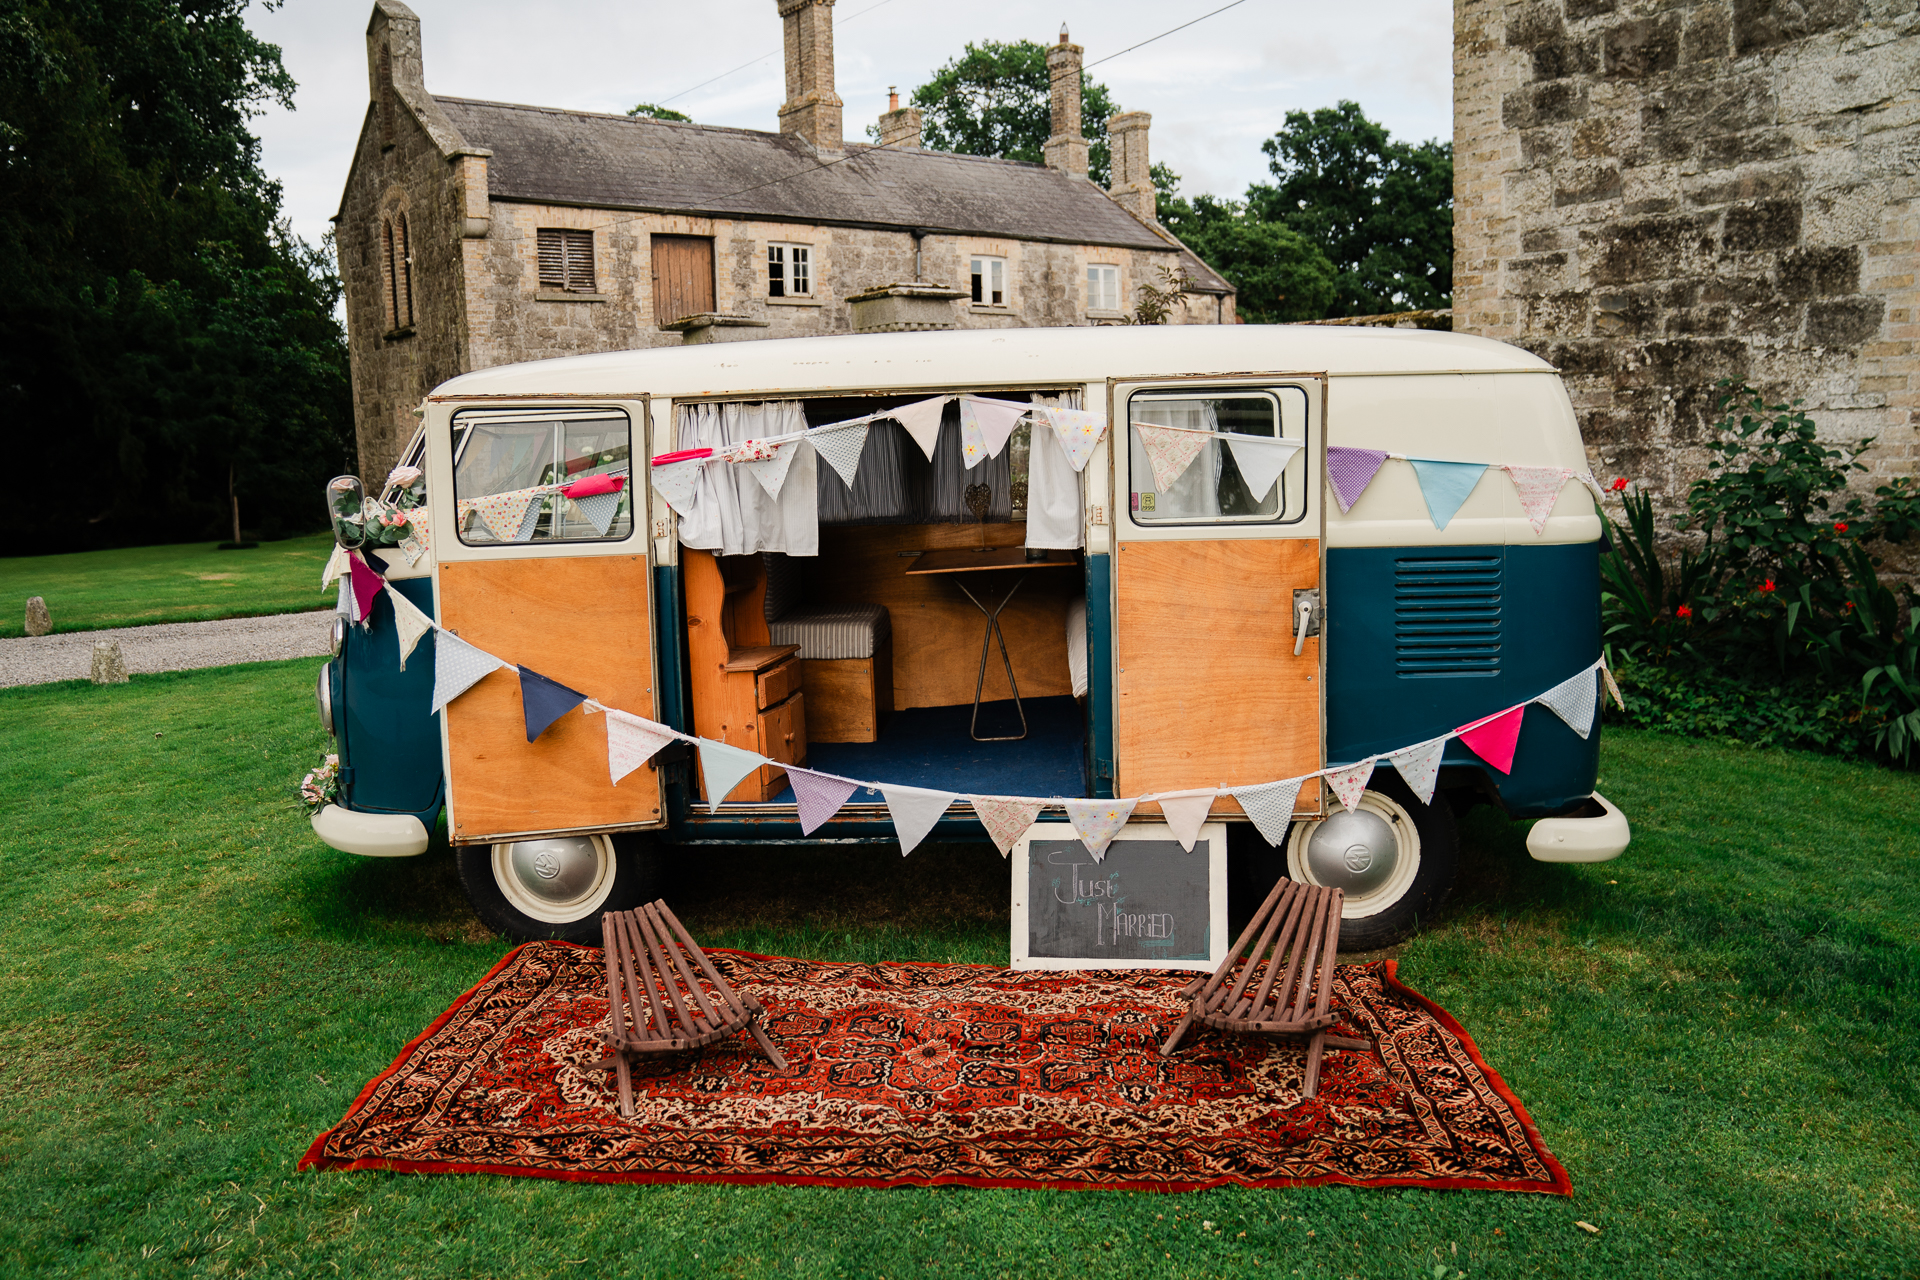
point(925, 1074)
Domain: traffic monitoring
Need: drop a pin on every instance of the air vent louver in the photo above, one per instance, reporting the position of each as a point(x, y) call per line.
point(1446, 615)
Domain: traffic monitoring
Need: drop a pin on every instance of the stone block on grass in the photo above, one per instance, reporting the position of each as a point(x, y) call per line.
point(108, 666)
point(39, 621)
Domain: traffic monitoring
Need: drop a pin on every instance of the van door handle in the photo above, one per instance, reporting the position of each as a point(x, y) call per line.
point(1306, 607)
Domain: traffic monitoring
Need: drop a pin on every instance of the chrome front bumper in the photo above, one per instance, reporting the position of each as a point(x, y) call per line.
point(1598, 837)
point(371, 835)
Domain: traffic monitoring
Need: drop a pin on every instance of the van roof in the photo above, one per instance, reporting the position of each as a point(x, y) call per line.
point(990, 357)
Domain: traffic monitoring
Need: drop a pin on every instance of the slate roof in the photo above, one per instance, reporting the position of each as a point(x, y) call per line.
point(548, 155)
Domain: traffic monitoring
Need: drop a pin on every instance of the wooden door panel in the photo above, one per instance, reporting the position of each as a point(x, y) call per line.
point(1208, 690)
point(585, 622)
point(682, 277)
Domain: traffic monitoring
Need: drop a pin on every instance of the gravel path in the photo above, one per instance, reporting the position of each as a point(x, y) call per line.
point(167, 646)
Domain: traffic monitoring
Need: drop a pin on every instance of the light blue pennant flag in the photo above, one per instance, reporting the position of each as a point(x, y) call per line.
point(723, 767)
point(1445, 486)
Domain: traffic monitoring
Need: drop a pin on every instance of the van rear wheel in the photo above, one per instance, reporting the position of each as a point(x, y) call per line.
point(1393, 858)
point(558, 887)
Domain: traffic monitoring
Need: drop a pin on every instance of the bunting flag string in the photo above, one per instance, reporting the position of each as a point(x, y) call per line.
point(1097, 822)
point(1079, 430)
point(840, 450)
point(1539, 488)
point(1261, 459)
point(985, 426)
point(1446, 486)
point(1186, 812)
point(675, 481)
point(457, 667)
point(419, 539)
point(1606, 673)
point(366, 586)
point(1006, 818)
point(921, 420)
point(723, 767)
point(1270, 806)
point(336, 565)
point(544, 700)
point(914, 810)
point(771, 471)
point(598, 510)
point(1574, 700)
point(409, 622)
point(1170, 451)
point(631, 741)
point(1350, 783)
point(1351, 470)
point(1419, 766)
point(818, 796)
point(1495, 738)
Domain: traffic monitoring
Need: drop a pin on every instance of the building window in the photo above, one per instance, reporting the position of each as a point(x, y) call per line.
point(566, 260)
point(1103, 288)
point(789, 271)
point(990, 282)
point(397, 266)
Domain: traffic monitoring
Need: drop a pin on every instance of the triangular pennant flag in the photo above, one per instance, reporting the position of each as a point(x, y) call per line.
point(914, 811)
point(591, 486)
point(1097, 822)
point(366, 586)
point(1079, 430)
point(457, 667)
point(1261, 460)
point(1574, 700)
point(772, 472)
point(598, 510)
point(921, 420)
point(1419, 765)
point(818, 796)
point(1446, 486)
point(1606, 673)
point(840, 449)
point(1495, 738)
point(1270, 805)
point(1351, 471)
point(985, 426)
point(409, 622)
point(676, 482)
point(530, 521)
point(1170, 451)
point(542, 701)
point(1185, 811)
point(343, 599)
point(336, 565)
point(1539, 488)
point(504, 514)
point(631, 742)
point(1350, 783)
point(723, 766)
point(418, 541)
point(1006, 818)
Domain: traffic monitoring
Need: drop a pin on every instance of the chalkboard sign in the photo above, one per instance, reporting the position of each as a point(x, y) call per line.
point(1149, 904)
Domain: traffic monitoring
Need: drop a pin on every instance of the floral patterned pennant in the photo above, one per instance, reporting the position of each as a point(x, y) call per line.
point(676, 482)
point(1539, 489)
point(985, 426)
point(1350, 783)
point(1097, 822)
point(1170, 451)
point(631, 742)
point(1079, 430)
point(1006, 818)
point(771, 471)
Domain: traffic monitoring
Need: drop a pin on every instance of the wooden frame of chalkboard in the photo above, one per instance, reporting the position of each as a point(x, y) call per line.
point(1147, 904)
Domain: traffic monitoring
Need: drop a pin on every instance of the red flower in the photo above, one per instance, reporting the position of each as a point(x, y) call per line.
point(1619, 483)
point(1684, 611)
point(1840, 526)
point(1849, 607)
point(1766, 586)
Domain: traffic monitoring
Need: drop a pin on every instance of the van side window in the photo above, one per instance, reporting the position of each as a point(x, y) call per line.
point(534, 476)
point(1181, 467)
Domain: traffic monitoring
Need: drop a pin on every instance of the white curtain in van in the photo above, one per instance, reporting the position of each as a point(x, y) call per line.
point(1055, 518)
point(731, 512)
point(1196, 494)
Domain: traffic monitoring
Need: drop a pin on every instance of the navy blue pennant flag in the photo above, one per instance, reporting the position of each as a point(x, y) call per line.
point(544, 701)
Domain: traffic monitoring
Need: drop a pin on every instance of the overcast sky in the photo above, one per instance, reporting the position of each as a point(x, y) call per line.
point(1216, 90)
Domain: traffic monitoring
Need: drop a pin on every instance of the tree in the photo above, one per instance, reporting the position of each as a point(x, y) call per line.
point(158, 330)
point(1280, 275)
point(653, 111)
point(996, 100)
point(1381, 211)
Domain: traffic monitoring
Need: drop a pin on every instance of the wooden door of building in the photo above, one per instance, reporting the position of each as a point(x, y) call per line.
point(682, 277)
point(1214, 687)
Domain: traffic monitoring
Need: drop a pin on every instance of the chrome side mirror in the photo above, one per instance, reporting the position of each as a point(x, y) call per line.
point(346, 506)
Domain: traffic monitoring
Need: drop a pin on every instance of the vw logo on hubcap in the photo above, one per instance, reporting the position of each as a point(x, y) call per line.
point(546, 866)
point(1358, 858)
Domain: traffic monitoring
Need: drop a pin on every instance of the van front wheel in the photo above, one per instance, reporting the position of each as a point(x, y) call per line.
point(1393, 857)
point(558, 887)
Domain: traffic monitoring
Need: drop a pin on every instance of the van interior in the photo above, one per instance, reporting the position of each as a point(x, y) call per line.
point(875, 656)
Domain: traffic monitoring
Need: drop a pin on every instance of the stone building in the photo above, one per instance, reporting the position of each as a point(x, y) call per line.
point(1657, 195)
point(474, 234)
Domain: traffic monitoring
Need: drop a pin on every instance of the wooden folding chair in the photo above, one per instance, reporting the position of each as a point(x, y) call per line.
point(651, 961)
point(1301, 924)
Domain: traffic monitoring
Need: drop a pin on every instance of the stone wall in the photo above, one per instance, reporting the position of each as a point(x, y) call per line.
point(1654, 196)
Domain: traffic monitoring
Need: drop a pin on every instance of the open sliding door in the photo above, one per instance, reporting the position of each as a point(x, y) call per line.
point(558, 584)
point(1214, 684)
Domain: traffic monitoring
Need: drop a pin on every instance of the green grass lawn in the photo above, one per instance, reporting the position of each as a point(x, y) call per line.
point(88, 590)
point(1717, 1034)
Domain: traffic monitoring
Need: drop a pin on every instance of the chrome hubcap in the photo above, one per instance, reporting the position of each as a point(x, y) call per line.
point(556, 880)
point(1354, 852)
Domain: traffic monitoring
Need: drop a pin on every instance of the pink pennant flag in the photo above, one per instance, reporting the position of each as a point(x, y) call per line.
point(1351, 471)
point(1006, 818)
point(818, 796)
point(591, 485)
point(984, 427)
point(1495, 738)
point(1539, 488)
point(366, 586)
point(1186, 812)
point(921, 420)
point(1350, 783)
point(631, 742)
point(1170, 451)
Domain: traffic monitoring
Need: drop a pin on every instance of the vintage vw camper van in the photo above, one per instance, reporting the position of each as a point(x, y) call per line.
point(1133, 624)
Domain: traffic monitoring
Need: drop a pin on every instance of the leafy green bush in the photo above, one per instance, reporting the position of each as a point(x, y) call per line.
point(1779, 594)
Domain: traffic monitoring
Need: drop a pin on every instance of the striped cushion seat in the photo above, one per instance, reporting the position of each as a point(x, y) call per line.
point(833, 631)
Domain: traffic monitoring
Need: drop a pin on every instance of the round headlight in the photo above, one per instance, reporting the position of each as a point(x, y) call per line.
point(323, 698)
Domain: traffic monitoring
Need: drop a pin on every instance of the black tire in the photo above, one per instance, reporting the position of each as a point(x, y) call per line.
point(636, 874)
point(1391, 921)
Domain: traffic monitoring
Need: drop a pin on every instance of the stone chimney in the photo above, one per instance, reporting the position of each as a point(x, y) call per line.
point(812, 110)
point(900, 127)
point(1066, 150)
point(1132, 187)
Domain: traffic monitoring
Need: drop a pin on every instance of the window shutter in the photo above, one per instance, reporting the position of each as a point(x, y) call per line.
point(579, 261)
point(553, 265)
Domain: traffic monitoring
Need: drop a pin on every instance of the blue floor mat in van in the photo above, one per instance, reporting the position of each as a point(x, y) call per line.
point(931, 747)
